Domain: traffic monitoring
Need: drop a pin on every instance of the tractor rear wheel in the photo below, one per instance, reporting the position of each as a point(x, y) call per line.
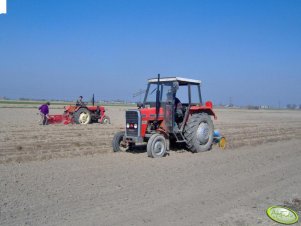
point(156, 146)
point(117, 143)
point(199, 132)
point(82, 116)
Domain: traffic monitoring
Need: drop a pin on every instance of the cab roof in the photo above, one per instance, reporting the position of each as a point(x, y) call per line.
point(182, 81)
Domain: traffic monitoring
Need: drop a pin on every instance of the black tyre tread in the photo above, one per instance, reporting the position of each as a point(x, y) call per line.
point(190, 132)
point(116, 140)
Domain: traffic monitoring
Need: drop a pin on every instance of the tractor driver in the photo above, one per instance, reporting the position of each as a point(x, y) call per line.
point(178, 109)
point(80, 102)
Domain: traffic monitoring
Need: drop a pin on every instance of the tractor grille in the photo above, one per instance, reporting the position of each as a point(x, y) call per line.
point(132, 123)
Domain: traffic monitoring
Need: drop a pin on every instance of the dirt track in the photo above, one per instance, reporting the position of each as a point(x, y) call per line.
point(231, 187)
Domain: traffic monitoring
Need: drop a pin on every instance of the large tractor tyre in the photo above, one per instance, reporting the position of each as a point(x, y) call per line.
point(199, 133)
point(117, 144)
point(156, 146)
point(82, 116)
point(105, 120)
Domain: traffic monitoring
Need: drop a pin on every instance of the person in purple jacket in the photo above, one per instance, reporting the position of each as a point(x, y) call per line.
point(44, 111)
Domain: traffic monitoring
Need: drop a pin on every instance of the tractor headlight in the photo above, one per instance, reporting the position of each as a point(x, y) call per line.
point(128, 125)
point(135, 126)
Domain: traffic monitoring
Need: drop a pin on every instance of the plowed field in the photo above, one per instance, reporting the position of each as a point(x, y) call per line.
point(68, 175)
point(23, 139)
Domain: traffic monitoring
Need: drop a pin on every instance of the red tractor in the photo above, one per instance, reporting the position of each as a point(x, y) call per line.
point(87, 114)
point(81, 115)
point(162, 118)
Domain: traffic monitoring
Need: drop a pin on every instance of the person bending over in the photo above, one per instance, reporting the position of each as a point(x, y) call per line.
point(44, 112)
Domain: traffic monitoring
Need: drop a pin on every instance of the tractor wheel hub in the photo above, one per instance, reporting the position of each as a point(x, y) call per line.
point(83, 117)
point(202, 133)
point(159, 147)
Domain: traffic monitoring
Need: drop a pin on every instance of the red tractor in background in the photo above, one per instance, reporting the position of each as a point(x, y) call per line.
point(87, 114)
point(81, 115)
point(158, 121)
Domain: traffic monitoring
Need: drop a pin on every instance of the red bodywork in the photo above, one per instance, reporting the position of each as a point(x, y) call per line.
point(67, 117)
point(58, 119)
point(149, 114)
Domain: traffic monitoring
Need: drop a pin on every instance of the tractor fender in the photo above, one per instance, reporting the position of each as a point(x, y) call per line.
point(199, 109)
point(163, 132)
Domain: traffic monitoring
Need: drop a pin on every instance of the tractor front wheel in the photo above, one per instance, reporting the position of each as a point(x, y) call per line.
point(199, 132)
point(118, 143)
point(156, 146)
point(82, 116)
point(105, 120)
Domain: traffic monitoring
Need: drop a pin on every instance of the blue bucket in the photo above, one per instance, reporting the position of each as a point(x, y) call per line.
point(216, 133)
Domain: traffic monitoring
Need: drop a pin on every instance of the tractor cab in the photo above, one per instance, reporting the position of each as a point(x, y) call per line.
point(176, 95)
point(172, 110)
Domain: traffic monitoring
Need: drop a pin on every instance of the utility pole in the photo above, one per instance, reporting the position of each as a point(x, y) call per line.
point(230, 102)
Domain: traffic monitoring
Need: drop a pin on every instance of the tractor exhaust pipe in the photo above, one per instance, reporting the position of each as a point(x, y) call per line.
point(158, 98)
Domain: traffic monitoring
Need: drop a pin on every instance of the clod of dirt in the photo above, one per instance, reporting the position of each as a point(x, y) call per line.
point(19, 147)
point(77, 144)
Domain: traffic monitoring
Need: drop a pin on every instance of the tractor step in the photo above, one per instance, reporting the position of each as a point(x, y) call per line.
point(181, 141)
point(180, 138)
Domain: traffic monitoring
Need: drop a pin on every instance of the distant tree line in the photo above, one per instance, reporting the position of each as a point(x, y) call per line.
point(4, 98)
point(293, 106)
point(252, 107)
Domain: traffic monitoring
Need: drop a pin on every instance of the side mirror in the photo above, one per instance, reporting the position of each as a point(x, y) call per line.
point(139, 105)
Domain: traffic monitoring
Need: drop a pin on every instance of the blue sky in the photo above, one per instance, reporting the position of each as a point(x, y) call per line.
point(249, 51)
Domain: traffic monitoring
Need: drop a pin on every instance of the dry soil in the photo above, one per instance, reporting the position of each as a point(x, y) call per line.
point(68, 174)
